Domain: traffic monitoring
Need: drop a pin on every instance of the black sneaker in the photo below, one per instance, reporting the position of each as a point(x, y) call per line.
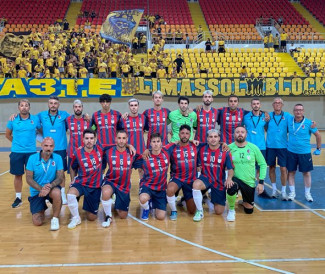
point(265, 195)
point(17, 203)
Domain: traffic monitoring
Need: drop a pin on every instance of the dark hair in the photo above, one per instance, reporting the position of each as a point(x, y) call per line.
point(255, 99)
point(180, 98)
point(155, 135)
point(185, 126)
point(233, 96)
point(121, 131)
point(53, 97)
point(241, 126)
point(90, 131)
point(105, 98)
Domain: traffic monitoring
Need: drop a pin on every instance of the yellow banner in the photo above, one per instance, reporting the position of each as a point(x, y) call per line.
point(120, 26)
point(10, 44)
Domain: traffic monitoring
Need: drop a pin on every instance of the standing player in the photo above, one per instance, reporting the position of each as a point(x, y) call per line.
point(182, 116)
point(44, 173)
point(21, 132)
point(134, 124)
point(206, 117)
point(153, 184)
point(183, 162)
point(105, 121)
point(213, 162)
point(117, 180)
point(276, 145)
point(76, 124)
point(245, 155)
point(157, 118)
point(299, 149)
point(53, 125)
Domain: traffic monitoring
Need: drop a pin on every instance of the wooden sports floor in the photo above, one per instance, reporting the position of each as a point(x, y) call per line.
point(264, 242)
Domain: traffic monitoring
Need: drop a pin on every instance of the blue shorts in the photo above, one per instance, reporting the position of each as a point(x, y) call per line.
point(273, 153)
point(159, 198)
point(304, 161)
point(264, 154)
point(186, 188)
point(18, 162)
point(63, 154)
point(122, 201)
point(38, 204)
point(91, 197)
point(217, 196)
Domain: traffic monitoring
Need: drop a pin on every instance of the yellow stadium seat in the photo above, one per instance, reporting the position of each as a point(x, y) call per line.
point(260, 69)
point(276, 74)
point(225, 65)
point(190, 75)
point(238, 65)
point(236, 75)
point(312, 74)
point(278, 69)
point(227, 70)
point(206, 65)
point(215, 70)
point(221, 70)
point(197, 75)
point(223, 75)
point(189, 70)
point(216, 75)
point(250, 65)
point(210, 75)
point(269, 74)
point(213, 65)
point(272, 69)
point(257, 64)
point(230, 75)
point(199, 60)
point(205, 60)
point(194, 65)
point(285, 69)
point(253, 70)
point(275, 64)
point(211, 60)
point(235, 59)
point(283, 74)
point(203, 75)
point(266, 70)
point(234, 70)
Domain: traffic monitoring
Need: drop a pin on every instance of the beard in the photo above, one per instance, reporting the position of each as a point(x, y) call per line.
point(240, 140)
point(78, 112)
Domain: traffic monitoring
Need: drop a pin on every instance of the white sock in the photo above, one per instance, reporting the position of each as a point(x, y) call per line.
point(145, 206)
point(172, 202)
point(55, 218)
point(274, 186)
point(197, 196)
point(292, 188)
point(307, 190)
point(107, 206)
point(73, 205)
point(18, 195)
point(62, 191)
point(283, 189)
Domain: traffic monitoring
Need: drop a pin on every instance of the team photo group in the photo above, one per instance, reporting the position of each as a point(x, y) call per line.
point(212, 154)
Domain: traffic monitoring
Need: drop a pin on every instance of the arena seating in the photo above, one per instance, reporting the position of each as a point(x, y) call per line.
point(317, 8)
point(314, 55)
point(229, 64)
point(23, 14)
point(236, 32)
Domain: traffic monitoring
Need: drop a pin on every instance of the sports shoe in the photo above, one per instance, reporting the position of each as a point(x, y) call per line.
point(284, 196)
point(107, 221)
point(292, 196)
point(64, 199)
point(55, 224)
point(265, 195)
point(180, 202)
point(173, 215)
point(145, 214)
point(198, 216)
point(231, 216)
point(74, 222)
point(274, 194)
point(17, 203)
point(308, 197)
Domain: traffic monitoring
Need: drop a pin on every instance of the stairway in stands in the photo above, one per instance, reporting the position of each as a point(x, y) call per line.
point(309, 17)
point(72, 13)
point(198, 18)
point(290, 64)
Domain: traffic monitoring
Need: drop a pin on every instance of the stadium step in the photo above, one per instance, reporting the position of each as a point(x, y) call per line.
point(72, 13)
point(309, 17)
point(198, 18)
point(290, 64)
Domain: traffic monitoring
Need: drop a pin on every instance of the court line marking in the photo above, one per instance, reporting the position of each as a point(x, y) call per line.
point(206, 248)
point(3, 173)
point(160, 263)
point(301, 204)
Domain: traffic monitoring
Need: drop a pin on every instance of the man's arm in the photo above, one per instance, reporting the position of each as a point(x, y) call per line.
point(30, 180)
point(9, 134)
point(229, 183)
point(58, 179)
point(263, 167)
point(318, 143)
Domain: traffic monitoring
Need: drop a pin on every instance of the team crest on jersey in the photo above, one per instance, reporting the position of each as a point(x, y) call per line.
point(32, 122)
point(53, 163)
point(59, 117)
point(303, 127)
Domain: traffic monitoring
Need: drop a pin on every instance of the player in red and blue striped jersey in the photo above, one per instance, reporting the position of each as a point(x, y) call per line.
point(134, 124)
point(153, 184)
point(76, 124)
point(213, 162)
point(157, 118)
point(183, 162)
point(118, 178)
point(206, 117)
point(105, 121)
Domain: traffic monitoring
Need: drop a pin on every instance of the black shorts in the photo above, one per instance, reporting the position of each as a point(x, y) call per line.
point(247, 191)
point(113, 74)
point(135, 45)
point(283, 43)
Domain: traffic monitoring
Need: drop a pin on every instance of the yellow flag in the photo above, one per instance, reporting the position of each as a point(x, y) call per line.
point(10, 44)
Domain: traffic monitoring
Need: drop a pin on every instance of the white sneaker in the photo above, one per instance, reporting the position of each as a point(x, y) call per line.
point(292, 196)
point(55, 224)
point(198, 216)
point(231, 216)
point(64, 199)
point(274, 194)
point(74, 222)
point(308, 197)
point(284, 196)
point(107, 221)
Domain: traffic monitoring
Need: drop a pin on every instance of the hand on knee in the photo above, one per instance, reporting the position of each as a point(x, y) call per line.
point(233, 190)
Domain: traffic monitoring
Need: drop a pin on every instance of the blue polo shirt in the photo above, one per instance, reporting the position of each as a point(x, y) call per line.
point(54, 126)
point(255, 126)
point(24, 133)
point(44, 172)
point(299, 135)
point(277, 130)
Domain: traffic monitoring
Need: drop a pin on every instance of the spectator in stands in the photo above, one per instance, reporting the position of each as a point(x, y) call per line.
point(147, 71)
point(87, 24)
point(169, 36)
point(187, 41)
point(179, 61)
point(135, 44)
point(93, 15)
point(90, 66)
point(294, 75)
point(143, 42)
point(161, 72)
point(181, 74)
point(283, 39)
point(266, 41)
point(271, 41)
point(200, 33)
point(208, 45)
point(102, 69)
point(202, 69)
point(65, 25)
point(221, 47)
point(260, 81)
point(276, 42)
point(178, 37)
point(243, 72)
point(306, 64)
point(314, 68)
point(280, 21)
point(293, 49)
point(162, 43)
